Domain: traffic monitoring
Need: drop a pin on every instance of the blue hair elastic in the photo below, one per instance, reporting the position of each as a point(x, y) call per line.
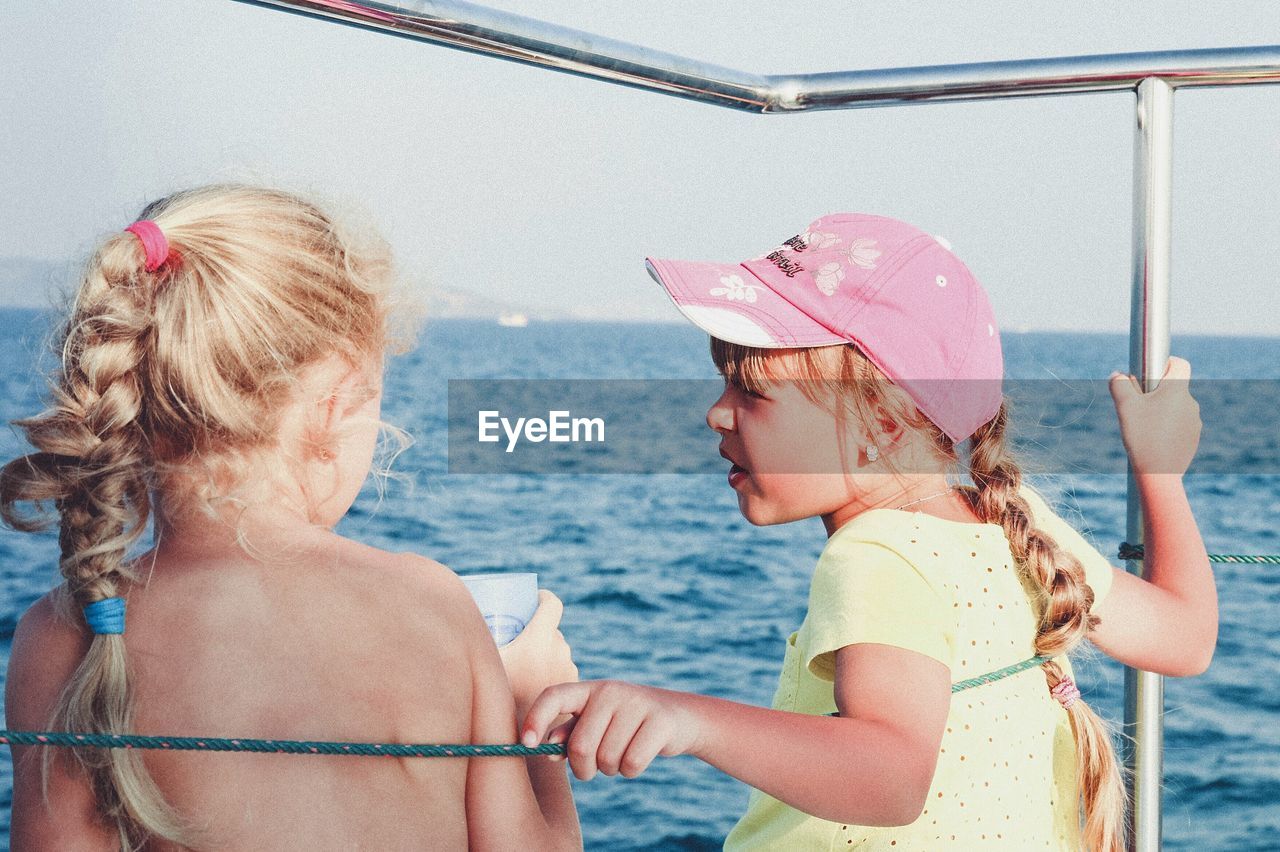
point(105, 616)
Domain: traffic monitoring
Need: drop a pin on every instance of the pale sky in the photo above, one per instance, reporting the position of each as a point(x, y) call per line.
point(547, 190)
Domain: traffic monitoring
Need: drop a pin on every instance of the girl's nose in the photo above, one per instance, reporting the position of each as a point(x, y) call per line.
point(720, 414)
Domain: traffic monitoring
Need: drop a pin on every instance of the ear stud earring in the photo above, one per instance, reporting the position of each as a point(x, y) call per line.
point(873, 452)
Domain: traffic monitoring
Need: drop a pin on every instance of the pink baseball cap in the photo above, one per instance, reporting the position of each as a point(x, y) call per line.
point(887, 287)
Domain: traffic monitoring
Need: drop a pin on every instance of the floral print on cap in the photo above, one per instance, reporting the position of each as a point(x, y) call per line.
point(863, 252)
point(735, 289)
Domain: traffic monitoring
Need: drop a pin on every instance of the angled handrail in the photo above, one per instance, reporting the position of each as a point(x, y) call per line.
point(466, 26)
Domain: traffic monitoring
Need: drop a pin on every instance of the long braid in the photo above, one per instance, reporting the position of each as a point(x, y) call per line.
point(1063, 605)
point(92, 461)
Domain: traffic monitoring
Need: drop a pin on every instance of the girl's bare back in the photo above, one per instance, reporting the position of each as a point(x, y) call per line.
point(342, 642)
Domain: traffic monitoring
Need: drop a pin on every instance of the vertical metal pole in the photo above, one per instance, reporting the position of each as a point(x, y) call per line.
point(1148, 355)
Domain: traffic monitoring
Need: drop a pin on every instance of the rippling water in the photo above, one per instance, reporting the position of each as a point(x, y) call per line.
point(664, 583)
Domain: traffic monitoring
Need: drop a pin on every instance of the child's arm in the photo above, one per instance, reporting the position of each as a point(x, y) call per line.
point(1168, 622)
point(515, 803)
point(45, 653)
point(872, 765)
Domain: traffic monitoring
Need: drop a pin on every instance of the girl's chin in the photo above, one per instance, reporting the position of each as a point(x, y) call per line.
point(751, 510)
point(761, 514)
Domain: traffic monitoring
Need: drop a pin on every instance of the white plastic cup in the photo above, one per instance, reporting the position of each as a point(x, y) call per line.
point(507, 602)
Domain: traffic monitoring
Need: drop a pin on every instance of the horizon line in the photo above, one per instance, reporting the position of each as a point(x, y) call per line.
point(678, 321)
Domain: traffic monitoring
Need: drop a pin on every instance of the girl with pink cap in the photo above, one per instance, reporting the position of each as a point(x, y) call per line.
point(859, 357)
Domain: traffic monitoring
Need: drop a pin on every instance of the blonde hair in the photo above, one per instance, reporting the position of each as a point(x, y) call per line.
point(173, 382)
point(1062, 597)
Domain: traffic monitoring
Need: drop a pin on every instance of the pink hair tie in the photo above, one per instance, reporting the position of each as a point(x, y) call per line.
point(153, 242)
point(1066, 692)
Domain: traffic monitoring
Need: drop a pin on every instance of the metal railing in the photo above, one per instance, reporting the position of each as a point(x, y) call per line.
point(1153, 77)
point(477, 29)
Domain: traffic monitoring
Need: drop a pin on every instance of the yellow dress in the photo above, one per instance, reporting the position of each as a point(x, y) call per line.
point(1005, 776)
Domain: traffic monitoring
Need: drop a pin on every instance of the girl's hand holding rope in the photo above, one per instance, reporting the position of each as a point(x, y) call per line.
point(617, 727)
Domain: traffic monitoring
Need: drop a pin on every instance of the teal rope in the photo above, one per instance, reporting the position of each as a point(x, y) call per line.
point(991, 677)
point(73, 740)
point(998, 674)
point(1135, 552)
point(52, 738)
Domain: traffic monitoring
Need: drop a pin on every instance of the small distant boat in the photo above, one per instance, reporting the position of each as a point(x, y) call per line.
point(513, 320)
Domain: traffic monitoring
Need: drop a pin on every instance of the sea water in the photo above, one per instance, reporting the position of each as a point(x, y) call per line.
point(664, 583)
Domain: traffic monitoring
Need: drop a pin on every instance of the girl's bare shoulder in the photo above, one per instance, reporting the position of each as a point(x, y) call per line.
point(47, 647)
point(403, 579)
point(402, 599)
point(322, 576)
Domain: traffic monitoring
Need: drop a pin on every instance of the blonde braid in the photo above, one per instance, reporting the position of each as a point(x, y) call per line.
point(93, 462)
point(1063, 603)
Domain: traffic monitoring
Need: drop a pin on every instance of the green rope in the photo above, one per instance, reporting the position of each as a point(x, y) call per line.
point(73, 740)
point(51, 738)
point(998, 674)
point(1134, 552)
point(991, 677)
